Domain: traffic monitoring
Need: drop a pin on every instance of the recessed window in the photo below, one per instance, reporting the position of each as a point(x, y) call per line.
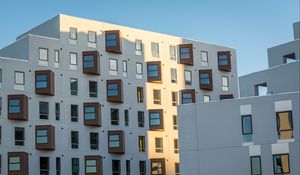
point(224, 61)
point(186, 54)
point(45, 137)
point(44, 109)
point(127, 167)
point(19, 80)
point(156, 119)
point(261, 89)
point(74, 113)
point(0, 78)
point(225, 83)
point(255, 165)
point(175, 122)
point(281, 164)
point(126, 117)
point(142, 167)
point(158, 166)
point(284, 125)
point(177, 169)
point(44, 82)
point(75, 166)
point(74, 86)
point(173, 75)
point(247, 128)
point(138, 47)
point(93, 89)
point(141, 118)
point(113, 41)
point(90, 62)
point(92, 37)
point(43, 54)
point(58, 165)
point(113, 67)
point(156, 96)
point(188, 96)
point(56, 56)
point(114, 116)
point(116, 167)
point(92, 116)
point(205, 79)
point(19, 136)
point(139, 70)
point(124, 68)
point(289, 58)
point(116, 142)
point(57, 111)
point(114, 91)
point(142, 141)
point(73, 33)
point(44, 165)
point(176, 147)
point(140, 94)
point(94, 141)
point(154, 71)
point(206, 98)
point(17, 107)
point(204, 58)
point(188, 77)
point(172, 52)
point(74, 139)
point(73, 61)
point(155, 49)
point(174, 98)
point(159, 145)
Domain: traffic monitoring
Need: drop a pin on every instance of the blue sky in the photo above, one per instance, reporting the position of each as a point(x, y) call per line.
point(249, 26)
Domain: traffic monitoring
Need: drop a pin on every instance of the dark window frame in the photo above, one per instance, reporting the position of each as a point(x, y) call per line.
point(224, 67)
point(121, 140)
point(20, 141)
point(118, 98)
point(288, 156)
point(188, 60)
point(50, 144)
point(49, 88)
point(209, 85)
point(158, 77)
point(161, 119)
point(22, 114)
point(162, 162)
point(188, 91)
point(117, 48)
point(95, 68)
point(96, 111)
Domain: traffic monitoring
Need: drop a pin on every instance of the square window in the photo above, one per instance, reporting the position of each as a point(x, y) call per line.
point(289, 58)
point(19, 78)
point(113, 41)
point(154, 72)
point(116, 142)
point(93, 165)
point(206, 98)
point(186, 54)
point(43, 54)
point(90, 62)
point(44, 82)
point(114, 91)
point(187, 96)
point(17, 107)
point(92, 114)
point(158, 166)
point(45, 137)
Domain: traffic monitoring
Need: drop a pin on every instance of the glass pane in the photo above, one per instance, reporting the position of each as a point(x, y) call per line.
point(14, 102)
point(44, 54)
point(89, 109)
point(204, 56)
point(73, 58)
point(223, 60)
point(247, 126)
point(255, 164)
point(111, 43)
point(19, 77)
point(41, 84)
point(184, 55)
point(111, 36)
point(15, 109)
point(139, 69)
point(14, 159)
point(90, 116)
point(187, 75)
point(41, 78)
point(225, 81)
point(41, 133)
point(14, 167)
point(91, 163)
point(113, 64)
point(91, 169)
point(92, 36)
point(42, 140)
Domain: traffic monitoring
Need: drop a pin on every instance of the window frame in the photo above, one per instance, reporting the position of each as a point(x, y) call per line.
point(138, 51)
point(74, 92)
point(141, 119)
point(74, 118)
point(50, 135)
point(158, 160)
point(157, 96)
point(23, 78)
point(188, 91)
point(159, 144)
point(96, 111)
point(74, 139)
point(142, 144)
point(246, 134)
point(93, 89)
point(204, 62)
point(160, 126)
point(40, 54)
point(289, 166)
point(186, 60)
point(22, 113)
point(118, 98)
point(117, 48)
point(94, 136)
point(20, 141)
point(251, 164)
point(114, 119)
point(49, 88)
point(158, 77)
point(121, 148)
point(224, 67)
point(290, 119)
point(43, 113)
point(206, 86)
point(95, 68)
point(225, 87)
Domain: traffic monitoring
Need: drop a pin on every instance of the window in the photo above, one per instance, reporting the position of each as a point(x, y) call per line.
point(17, 162)
point(175, 122)
point(0, 133)
point(225, 83)
point(255, 165)
point(114, 91)
point(90, 62)
point(156, 119)
point(56, 56)
point(140, 94)
point(127, 167)
point(141, 118)
point(73, 33)
point(74, 139)
point(44, 82)
point(75, 166)
point(204, 58)
point(206, 81)
point(172, 52)
point(281, 164)
point(173, 75)
point(126, 117)
point(14, 105)
point(113, 67)
point(74, 113)
point(188, 96)
point(44, 165)
point(45, 137)
point(186, 54)
point(19, 136)
point(73, 59)
point(74, 86)
point(177, 169)
point(93, 165)
point(58, 165)
point(124, 68)
point(289, 58)
point(141, 143)
point(188, 77)
point(138, 47)
point(0, 78)
point(113, 41)
point(116, 142)
point(92, 37)
point(159, 145)
point(0, 105)
point(158, 166)
point(206, 98)
point(226, 96)
point(261, 89)
point(14, 164)
point(154, 71)
point(92, 114)
point(114, 116)
point(57, 111)
point(94, 141)
point(19, 80)
point(17, 107)
point(155, 49)
point(284, 125)
point(139, 70)
point(176, 147)
point(0, 163)
point(44, 110)
point(156, 96)
point(142, 165)
point(224, 61)
point(247, 128)
point(116, 167)
point(93, 88)
point(43, 54)
point(174, 98)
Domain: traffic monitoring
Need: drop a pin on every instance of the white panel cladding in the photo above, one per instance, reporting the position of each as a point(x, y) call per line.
point(285, 105)
point(254, 150)
point(280, 148)
point(245, 109)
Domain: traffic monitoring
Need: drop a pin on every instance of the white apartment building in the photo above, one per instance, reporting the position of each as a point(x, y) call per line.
point(79, 96)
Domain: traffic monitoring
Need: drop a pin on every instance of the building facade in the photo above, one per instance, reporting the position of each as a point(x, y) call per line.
point(79, 96)
point(255, 134)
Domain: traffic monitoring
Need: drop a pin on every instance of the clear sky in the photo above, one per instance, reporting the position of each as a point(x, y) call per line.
point(250, 26)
